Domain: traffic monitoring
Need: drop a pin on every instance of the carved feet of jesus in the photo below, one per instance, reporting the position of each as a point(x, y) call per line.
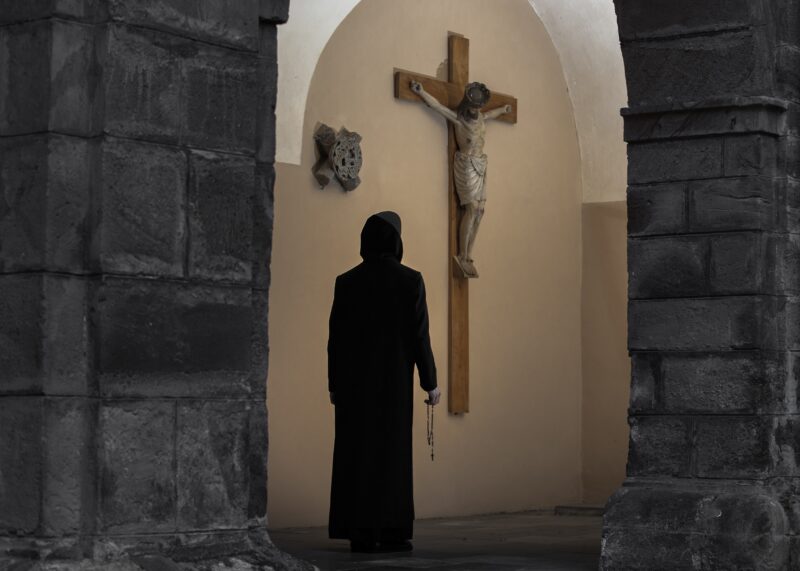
point(465, 267)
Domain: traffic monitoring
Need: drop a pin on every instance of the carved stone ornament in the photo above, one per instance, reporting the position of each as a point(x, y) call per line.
point(339, 156)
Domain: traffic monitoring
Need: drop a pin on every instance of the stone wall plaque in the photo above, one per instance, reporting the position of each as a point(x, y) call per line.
point(339, 157)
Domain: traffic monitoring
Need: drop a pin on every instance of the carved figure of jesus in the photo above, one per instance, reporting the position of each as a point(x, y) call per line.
point(469, 164)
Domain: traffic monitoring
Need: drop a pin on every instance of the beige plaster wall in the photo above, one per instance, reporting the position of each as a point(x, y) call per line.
point(520, 446)
point(606, 366)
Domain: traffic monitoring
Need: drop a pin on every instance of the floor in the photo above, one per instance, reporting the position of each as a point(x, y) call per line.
point(503, 542)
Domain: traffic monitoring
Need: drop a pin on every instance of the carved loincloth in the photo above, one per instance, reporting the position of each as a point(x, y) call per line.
point(469, 173)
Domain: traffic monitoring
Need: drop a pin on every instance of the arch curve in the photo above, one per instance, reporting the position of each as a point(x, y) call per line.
point(584, 33)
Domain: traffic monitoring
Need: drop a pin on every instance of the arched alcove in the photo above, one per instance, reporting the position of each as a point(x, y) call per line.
point(528, 332)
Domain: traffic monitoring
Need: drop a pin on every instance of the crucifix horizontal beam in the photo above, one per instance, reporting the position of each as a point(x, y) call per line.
point(449, 94)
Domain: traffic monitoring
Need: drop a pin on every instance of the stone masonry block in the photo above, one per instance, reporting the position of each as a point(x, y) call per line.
point(787, 490)
point(221, 99)
point(27, 10)
point(263, 221)
point(43, 335)
point(21, 331)
point(734, 447)
point(685, 256)
point(766, 552)
point(714, 527)
point(268, 87)
point(274, 11)
point(787, 62)
point(784, 448)
point(747, 550)
point(88, 10)
point(639, 549)
point(792, 119)
point(724, 117)
point(751, 155)
point(67, 204)
point(137, 477)
point(21, 461)
point(674, 161)
point(788, 316)
point(46, 78)
point(738, 263)
point(787, 272)
point(213, 464)
point(717, 382)
point(164, 88)
point(697, 507)
point(227, 22)
point(142, 224)
point(23, 188)
point(258, 447)
point(794, 552)
point(786, 19)
point(44, 217)
point(697, 68)
point(720, 382)
point(66, 343)
point(789, 198)
point(793, 320)
point(259, 360)
point(68, 483)
point(25, 78)
point(701, 324)
point(660, 18)
point(143, 79)
point(74, 84)
point(791, 154)
point(169, 339)
point(747, 203)
point(729, 264)
point(659, 445)
point(792, 382)
point(657, 209)
point(645, 381)
point(221, 193)
point(749, 516)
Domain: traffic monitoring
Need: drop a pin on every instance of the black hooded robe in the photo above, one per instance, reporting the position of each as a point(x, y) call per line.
point(378, 332)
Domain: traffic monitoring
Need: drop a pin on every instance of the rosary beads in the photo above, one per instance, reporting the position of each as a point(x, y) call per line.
point(429, 417)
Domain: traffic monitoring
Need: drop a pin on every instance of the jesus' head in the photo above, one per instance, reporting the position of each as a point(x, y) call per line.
point(476, 95)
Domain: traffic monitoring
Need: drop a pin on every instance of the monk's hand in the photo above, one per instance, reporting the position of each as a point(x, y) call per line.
point(333, 398)
point(433, 397)
point(416, 87)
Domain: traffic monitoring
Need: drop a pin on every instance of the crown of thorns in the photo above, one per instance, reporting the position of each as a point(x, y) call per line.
point(477, 94)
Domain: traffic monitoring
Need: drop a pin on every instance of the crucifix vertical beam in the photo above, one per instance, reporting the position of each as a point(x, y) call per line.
point(458, 304)
point(450, 94)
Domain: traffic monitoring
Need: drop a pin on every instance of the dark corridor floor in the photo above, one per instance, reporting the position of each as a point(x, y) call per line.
point(505, 542)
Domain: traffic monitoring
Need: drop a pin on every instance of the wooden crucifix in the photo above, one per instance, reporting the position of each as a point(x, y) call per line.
point(454, 100)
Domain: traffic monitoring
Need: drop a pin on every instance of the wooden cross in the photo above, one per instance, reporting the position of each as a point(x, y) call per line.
point(450, 93)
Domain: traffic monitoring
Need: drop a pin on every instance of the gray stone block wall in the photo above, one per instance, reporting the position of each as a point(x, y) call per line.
point(136, 174)
point(713, 257)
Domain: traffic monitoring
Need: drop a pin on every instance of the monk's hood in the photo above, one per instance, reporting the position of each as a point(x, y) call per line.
point(380, 237)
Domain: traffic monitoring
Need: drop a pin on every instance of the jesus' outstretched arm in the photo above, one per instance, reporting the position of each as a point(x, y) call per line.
point(431, 101)
point(495, 113)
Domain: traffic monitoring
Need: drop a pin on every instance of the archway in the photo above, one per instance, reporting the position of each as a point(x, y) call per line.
point(128, 342)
